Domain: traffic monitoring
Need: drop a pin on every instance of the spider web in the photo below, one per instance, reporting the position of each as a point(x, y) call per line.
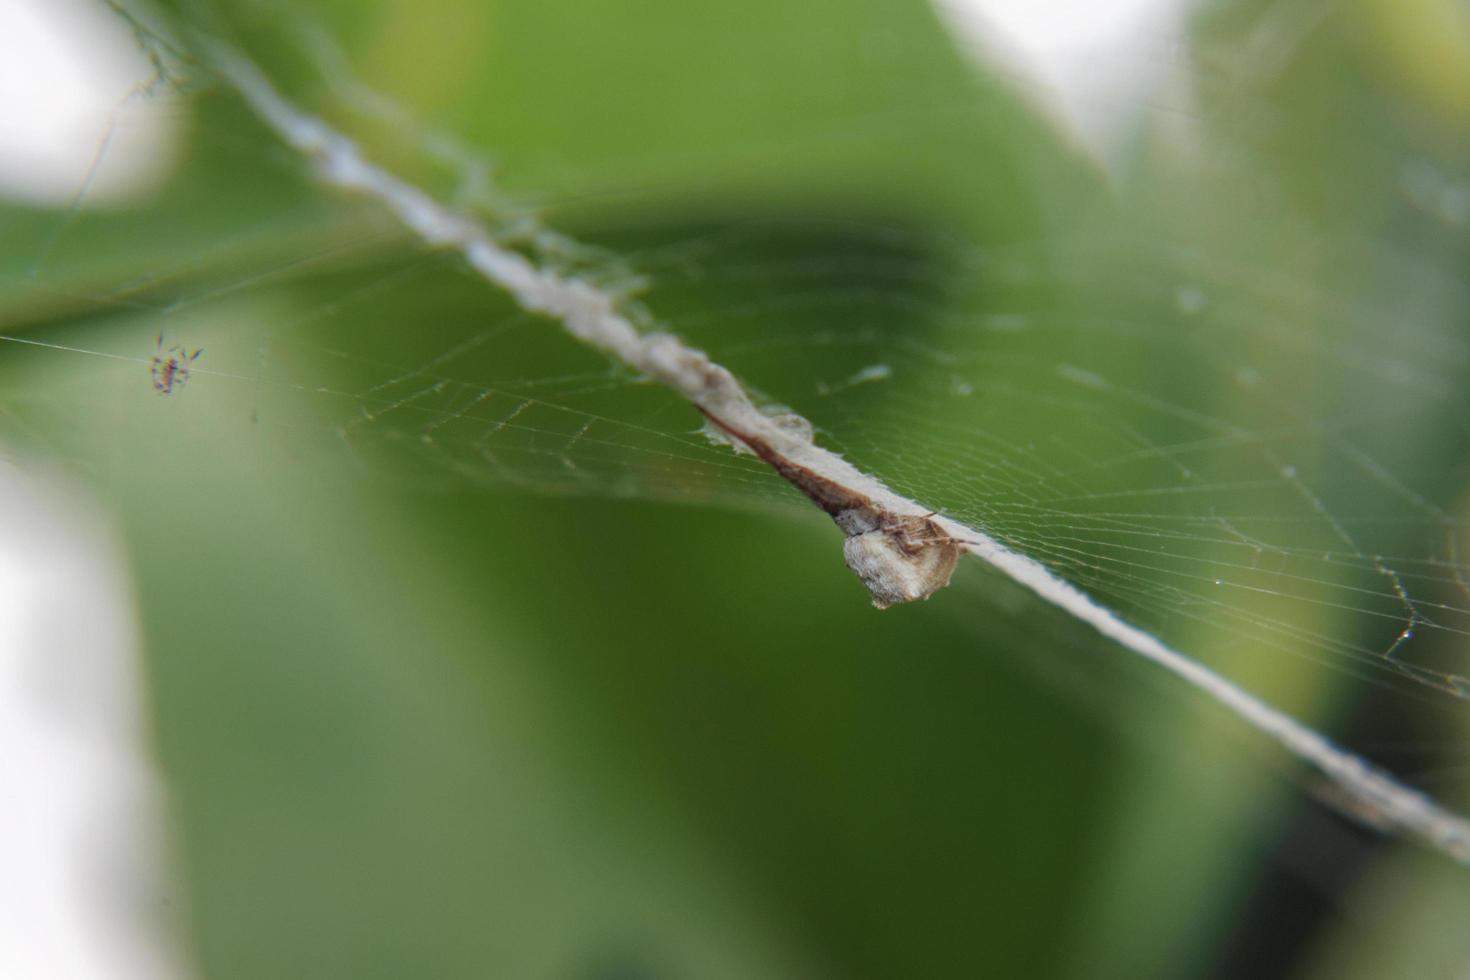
point(1229, 413)
point(1123, 405)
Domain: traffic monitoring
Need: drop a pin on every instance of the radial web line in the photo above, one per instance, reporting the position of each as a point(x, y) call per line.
point(589, 314)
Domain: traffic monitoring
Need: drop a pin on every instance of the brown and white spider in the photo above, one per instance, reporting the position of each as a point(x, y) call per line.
point(171, 367)
point(900, 558)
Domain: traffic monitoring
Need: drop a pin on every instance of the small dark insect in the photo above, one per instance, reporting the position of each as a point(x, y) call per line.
point(171, 367)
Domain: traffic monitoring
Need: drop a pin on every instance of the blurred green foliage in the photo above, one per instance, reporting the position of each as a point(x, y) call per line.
point(420, 722)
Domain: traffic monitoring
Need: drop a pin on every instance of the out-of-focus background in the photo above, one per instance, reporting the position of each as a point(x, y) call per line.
point(397, 635)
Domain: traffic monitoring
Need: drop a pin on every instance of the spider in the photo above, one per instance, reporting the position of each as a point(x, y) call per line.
point(900, 558)
point(171, 367)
